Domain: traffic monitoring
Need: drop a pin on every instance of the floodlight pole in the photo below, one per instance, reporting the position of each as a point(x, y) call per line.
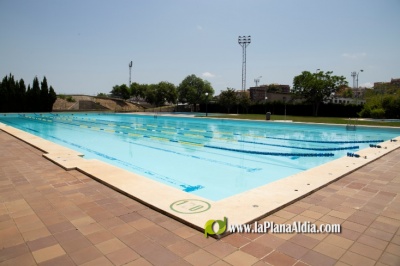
point(353, 75)
point(357, 76)
point(130, 71)
point(257, 80)
point(244, 41)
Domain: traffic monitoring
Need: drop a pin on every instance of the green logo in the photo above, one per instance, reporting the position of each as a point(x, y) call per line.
point(209, 227)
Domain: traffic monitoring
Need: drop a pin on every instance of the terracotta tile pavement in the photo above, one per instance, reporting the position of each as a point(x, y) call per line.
point(49, 216)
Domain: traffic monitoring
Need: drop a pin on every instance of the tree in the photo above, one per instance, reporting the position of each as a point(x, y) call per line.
point(167, 91)
point(227, 98)
point(15, 97)
point(21, 95)
point(5, 94)
point(140, 91)
point(345, 92)
point(120, 91)
point(160, 92)
point(386, 88)
point(381, 106)
point(34, 97)
point(243, 99)
point(316, 87)
point(192, 90)
point(28, 106)
point(44, 93)
point(348, 93)
point(135, 90)
point(151, 94)
point(51, 99)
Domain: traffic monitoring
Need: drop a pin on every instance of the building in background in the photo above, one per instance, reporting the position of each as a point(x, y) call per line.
point(394, 83)
point(273, 92)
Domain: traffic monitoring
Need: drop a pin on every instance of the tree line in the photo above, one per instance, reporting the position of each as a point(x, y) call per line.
point(192, 90)
point(16, 97)
point(382, 102)
point(230, 98)
point(313, 89)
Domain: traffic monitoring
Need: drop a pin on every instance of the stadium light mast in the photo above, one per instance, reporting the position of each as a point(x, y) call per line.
point(355, 74)
point(257, 80)
point(130, 71)
point(244, 41)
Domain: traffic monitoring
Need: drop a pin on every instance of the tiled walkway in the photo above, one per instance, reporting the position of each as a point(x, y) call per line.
point(49, 216)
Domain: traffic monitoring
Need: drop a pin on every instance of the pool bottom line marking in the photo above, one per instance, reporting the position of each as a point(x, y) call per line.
point(217, 147)
point(106, 122)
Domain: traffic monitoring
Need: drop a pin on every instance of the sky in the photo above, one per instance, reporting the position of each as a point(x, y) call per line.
point(85, 46)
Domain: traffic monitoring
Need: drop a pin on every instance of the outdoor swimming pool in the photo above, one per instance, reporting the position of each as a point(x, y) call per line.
point(211, 158)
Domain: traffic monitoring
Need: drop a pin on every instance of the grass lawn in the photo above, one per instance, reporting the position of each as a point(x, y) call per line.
point(309, 119)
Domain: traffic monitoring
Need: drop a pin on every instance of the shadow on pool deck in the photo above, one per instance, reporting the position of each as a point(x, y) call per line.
point(50, 216)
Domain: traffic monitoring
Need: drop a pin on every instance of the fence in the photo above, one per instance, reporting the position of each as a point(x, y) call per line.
point(278, 108)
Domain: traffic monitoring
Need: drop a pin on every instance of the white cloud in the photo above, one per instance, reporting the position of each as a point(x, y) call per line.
point(199, 27)
point(366, 85)
point(208, 75)
point(354, 55)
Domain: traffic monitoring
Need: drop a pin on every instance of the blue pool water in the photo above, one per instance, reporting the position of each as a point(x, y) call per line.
point(212, 158)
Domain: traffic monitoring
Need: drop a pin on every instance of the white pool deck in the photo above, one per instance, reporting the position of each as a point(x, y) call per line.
point(193, 210)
